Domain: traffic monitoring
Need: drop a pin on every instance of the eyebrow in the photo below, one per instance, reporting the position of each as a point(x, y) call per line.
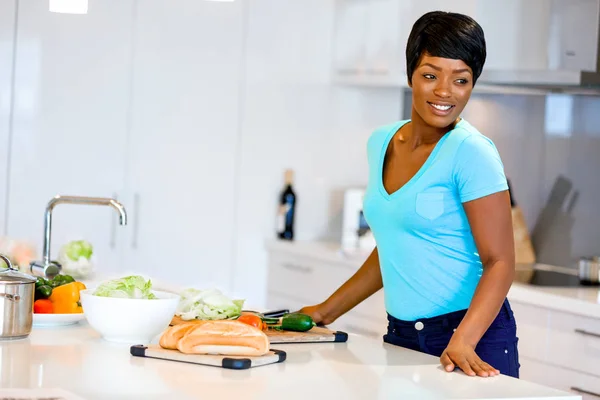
point(456, 71)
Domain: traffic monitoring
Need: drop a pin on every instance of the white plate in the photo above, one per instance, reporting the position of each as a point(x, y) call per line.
point(57, 319)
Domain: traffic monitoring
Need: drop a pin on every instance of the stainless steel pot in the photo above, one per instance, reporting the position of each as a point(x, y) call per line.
point(17, 291)
point(589, 270)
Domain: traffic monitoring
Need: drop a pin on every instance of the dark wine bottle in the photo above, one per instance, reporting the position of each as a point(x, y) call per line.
point(287, 208)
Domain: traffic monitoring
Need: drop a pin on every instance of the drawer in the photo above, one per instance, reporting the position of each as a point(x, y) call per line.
point(304, 278)
point(313, 281)
point(574, 342)
point(585, 385)
point(532, 330)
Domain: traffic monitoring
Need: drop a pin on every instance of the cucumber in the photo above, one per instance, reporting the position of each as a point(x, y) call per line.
point(297, 322)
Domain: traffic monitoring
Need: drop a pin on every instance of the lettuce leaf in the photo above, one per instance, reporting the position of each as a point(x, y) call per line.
point(76, 249)
point(207, 305)
point(129, 287)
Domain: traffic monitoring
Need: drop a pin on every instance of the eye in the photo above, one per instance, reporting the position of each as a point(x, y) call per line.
point(428, 76)
point(462, 81)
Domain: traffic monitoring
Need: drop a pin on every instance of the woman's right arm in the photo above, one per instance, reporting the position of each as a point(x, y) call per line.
point(365, 282)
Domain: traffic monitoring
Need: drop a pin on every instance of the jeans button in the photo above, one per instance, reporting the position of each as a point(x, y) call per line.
point(419, 326)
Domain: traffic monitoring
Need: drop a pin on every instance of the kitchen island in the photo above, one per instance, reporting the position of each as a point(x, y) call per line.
point(76, 359)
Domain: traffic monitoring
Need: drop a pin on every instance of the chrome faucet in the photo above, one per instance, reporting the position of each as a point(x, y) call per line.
point(48, 268)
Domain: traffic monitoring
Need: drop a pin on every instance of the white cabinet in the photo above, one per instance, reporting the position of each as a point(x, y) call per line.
point(138, 100)
point(527, 41)
point(70, 121)
point(369, 41)
point(297, 280)
point(558, 349)
point(182, 152)
point(540, 35)
point(7, 23)
point(370, 38)
point(520, 43)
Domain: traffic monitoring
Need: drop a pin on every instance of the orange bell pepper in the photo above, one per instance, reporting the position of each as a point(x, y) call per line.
point(65, 298)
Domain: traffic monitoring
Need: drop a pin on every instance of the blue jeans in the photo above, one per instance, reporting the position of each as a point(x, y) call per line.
point(497, 347)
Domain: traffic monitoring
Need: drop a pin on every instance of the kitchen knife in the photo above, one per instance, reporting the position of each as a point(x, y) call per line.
point(270, 314)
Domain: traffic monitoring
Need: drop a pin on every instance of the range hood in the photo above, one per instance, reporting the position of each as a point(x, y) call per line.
point(547, 44)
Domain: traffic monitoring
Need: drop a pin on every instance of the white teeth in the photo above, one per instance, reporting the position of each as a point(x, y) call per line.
point(441, 108)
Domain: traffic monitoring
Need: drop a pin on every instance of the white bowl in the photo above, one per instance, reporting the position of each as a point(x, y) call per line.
point(132, 321)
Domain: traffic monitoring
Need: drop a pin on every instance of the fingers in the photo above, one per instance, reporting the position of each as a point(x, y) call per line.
point(472, 366)
point(447, 362)
point(476, 367)
point(465, 366)
point(487, 367)
point(479, 367)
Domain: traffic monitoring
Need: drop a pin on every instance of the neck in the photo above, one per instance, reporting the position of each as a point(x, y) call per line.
point(424, 134)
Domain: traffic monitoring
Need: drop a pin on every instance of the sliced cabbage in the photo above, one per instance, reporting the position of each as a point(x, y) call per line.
point(207, 305)
point(78, 248)
point(75, 258)
point(129, 287)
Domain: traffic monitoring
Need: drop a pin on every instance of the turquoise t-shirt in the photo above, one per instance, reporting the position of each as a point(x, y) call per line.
point(429, 262)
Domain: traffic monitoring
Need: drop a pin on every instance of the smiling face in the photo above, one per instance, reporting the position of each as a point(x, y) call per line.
point(441, 89)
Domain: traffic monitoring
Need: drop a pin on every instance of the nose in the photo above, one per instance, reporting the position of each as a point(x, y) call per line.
point(442, 89)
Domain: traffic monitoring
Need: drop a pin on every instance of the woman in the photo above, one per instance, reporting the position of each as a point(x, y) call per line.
point(438, 206)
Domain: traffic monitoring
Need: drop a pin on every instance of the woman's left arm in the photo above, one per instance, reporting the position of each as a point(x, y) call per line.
point(491, 223)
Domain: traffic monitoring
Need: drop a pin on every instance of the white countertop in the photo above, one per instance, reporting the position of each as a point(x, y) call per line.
point(76, 359)
point(581, 300)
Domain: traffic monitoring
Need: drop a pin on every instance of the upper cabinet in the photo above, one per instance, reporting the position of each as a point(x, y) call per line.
point(370, 38)
point(7, 25)
point(70, 120)
point(540, 43)
point(368, 41)
point(136, 100)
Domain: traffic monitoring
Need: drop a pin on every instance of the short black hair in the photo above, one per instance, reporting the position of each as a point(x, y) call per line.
point(447, 35)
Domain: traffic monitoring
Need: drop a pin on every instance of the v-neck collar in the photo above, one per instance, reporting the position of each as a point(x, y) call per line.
point(421, 170)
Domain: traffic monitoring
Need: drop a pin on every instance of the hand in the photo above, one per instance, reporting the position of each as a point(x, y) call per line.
point(461, 354)
point(317, 314)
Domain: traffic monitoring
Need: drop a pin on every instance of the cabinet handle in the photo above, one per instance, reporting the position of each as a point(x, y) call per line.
point(357, 329)
point(136, 218)
point(586, 333)
point(583, 391)
point(381, 72)
point(113, 228)
point(298, 268)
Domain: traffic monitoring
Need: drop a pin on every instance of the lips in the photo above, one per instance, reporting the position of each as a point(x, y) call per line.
point(441, 109)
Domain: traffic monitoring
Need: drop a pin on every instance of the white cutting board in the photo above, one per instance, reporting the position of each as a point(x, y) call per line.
point(229, 362)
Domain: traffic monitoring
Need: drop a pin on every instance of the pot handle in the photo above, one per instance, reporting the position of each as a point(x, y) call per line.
point(13, 297)
point(8, 263)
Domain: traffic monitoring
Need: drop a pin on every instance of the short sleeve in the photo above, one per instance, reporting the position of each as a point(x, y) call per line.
point(478, 169)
